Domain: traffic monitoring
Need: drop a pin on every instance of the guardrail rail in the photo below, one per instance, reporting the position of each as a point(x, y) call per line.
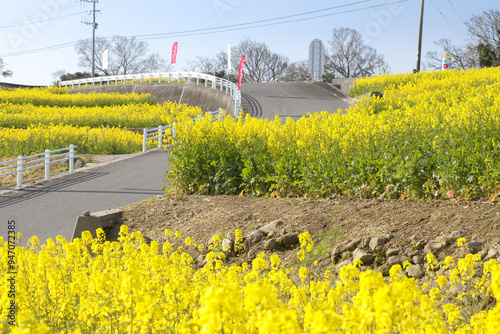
point(161, 130)
point(19, 164)
point(229, 87)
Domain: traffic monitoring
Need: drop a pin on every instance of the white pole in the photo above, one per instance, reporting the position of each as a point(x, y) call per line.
point(47, 164)
point(20, 171)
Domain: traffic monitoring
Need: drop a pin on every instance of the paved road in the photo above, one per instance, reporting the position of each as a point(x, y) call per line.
point(291, 99)
point(51, 209)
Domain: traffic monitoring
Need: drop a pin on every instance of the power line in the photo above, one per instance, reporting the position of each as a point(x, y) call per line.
point(452, 5)
point(253, 22)
point(449, 22)
point(227, 28)
point(52, 19)
point(243, 26)
point(27, 19)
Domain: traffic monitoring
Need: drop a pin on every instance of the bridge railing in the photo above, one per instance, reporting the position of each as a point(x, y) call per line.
point(23, 163)
point(160, 131)
point(224, 85)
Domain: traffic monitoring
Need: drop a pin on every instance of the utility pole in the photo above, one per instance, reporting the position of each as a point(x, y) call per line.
point(419, 52)
point(94, 27)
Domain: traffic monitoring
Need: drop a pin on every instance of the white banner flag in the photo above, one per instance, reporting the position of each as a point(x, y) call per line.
point(229, 59)
point(105, 60)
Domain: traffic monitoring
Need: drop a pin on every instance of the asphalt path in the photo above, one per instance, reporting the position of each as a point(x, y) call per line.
point(291, 99)
point(51, 208)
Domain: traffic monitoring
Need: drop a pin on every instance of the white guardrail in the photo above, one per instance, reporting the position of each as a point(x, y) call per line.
point(160, 131)
point(19, 164)
point(230, 88)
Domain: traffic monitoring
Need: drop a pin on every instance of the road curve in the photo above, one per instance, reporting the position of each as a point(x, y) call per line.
point(51, 209)
point(291, 99)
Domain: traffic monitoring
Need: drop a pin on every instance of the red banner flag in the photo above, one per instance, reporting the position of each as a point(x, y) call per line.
point(240, 76)
point(174, 53)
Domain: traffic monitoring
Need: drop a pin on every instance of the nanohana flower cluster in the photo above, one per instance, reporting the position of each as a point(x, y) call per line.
point(32, 120)
point(91, 285)
point(431, 135)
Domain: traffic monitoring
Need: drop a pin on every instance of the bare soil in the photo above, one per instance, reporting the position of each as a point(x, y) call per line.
point(338, 221)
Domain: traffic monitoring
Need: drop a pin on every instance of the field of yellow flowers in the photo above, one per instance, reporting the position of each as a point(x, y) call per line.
point(96, 286)
point(432, 135)
point(32, 120)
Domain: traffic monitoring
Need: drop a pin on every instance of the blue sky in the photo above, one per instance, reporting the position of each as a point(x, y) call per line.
point(391, 28)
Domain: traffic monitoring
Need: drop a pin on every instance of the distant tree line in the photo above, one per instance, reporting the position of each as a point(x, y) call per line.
point(348, 56)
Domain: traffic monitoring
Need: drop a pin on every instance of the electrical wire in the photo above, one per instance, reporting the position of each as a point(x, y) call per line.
point(456, 11)
point(23, 20)
point(47, 20)
point(449, 22)
point(227, 28)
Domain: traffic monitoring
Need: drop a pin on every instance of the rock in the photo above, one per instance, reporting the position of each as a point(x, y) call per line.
point(270, 227)
point(416, 259)
point(336, 253)
point(420, 245)
point(230, 236)
point(86, 213)
point(475, 246)
point(353, 245)
point(416, 271)
point(346, 256)
point(78, 163)
point(376, 244)
point(440, 246)
point(247, 245)
point(365, 242)
point(483, 254)
point(200, 259)
point(392, 251)
point(454, 235)
point(365, 257)
point(147, 240)
point(492, 253)
point(384, 270)
point(290, 240)
point(342, 264)
point(227, 246)
point(272, 244)
point(393, 260)
point(252, 254)
point(428, 249)
point(255, 237)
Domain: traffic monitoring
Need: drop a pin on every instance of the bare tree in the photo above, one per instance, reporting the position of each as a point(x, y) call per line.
point(210, 65)
point(261, 65)
point(84, 50)
point(350, 57)
point(462, 57)
point(126, 55)
point(4, 73)
point(485, 30)
point(297, 71)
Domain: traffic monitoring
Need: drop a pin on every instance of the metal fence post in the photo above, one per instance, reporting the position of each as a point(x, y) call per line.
point(47, 164)
point(144, 140)
point(160, 138)
point(71, 158)
point(19, 170)
point(173, 130)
